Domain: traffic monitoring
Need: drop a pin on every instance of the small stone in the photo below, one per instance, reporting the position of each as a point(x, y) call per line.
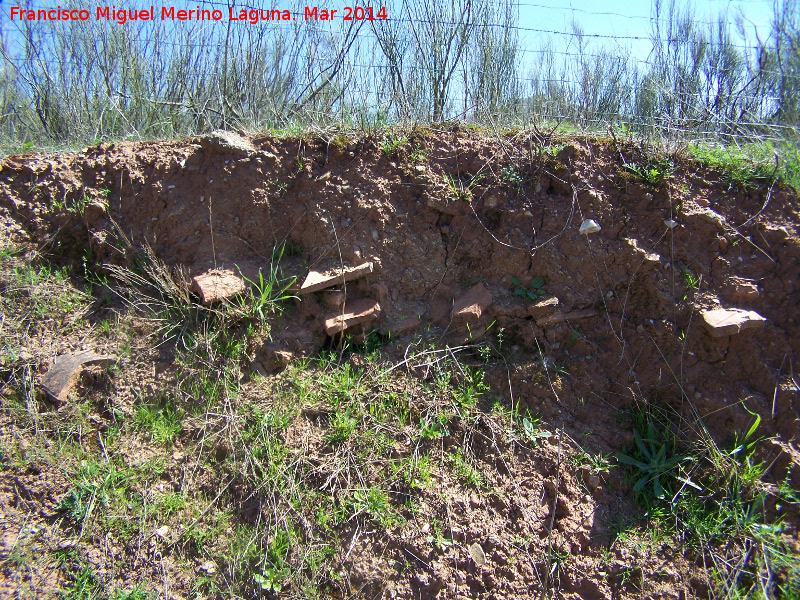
point(163, 532)
point(217, 284)
point(225, 141)
point(325, 176)
point(560, 317)
point(543, 308)
point(277, 360)
point(357, 311)
point(209, 567)
point(420, 168)
point(671, 223)
point(589, 226)
point(538, 187)
point(722, 322)
point(477, 554)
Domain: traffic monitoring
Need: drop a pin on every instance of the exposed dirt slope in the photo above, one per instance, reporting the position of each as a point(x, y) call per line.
point(517, 217)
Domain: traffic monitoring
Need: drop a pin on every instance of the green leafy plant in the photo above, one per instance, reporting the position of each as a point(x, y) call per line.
point(419, 154)
point(464, 469)
point(390, 144)
point(692, 282)
point(652, 171)
point(597, 462)
point(511, 175)
point(270, 579)
point(533, 430)
point(654, 464)
point(459, 189)
point(341, 427)
point(534, 291)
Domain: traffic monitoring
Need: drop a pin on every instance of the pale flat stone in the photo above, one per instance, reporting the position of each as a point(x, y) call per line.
point(477, 554)
point(217, 284)
point(355, 312)
point(471, 305)
point(66, 369)
point(562, 317)
point(722, 322)
point(543, 308)
point(226, 141)
point(316, 281)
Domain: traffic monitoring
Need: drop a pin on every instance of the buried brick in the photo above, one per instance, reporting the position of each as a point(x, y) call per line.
point(401, 327)
point(316, 281)
point(217, 284)
point(354, 312)
point(471, 305)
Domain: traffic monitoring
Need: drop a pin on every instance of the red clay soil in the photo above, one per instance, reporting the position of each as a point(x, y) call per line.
point(619, 316)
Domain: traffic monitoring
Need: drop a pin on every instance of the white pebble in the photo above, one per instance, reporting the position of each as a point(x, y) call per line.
point(589, 226)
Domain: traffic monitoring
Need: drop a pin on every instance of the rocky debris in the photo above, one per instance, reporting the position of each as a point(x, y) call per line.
point(543, 308)
point(217, 284)
point(589, 226)
point(477, 554)
point(355, 312)
point(742, 289)
point(66, 369)
point(650, 258)
point(590, 478)
point(712, 217)
point(316, 281)
point(275, 361)
point(471, 305)
point(722, 322)
point(671, 223)
point(562, 317)
point(449, 206)
point(225, 142)
point(401, 327)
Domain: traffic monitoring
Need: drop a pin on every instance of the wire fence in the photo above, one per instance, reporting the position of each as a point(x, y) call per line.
point(74, 81)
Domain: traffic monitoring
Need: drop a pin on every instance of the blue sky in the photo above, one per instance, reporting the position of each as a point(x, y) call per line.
point(629, 18)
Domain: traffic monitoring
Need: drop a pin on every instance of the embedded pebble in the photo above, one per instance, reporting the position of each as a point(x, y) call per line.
point(589, 226)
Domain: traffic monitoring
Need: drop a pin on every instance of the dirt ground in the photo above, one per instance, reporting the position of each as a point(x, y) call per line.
point(475, 241)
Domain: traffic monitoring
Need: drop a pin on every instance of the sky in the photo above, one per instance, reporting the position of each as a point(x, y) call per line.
point(628, 19)
point(615, 22)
